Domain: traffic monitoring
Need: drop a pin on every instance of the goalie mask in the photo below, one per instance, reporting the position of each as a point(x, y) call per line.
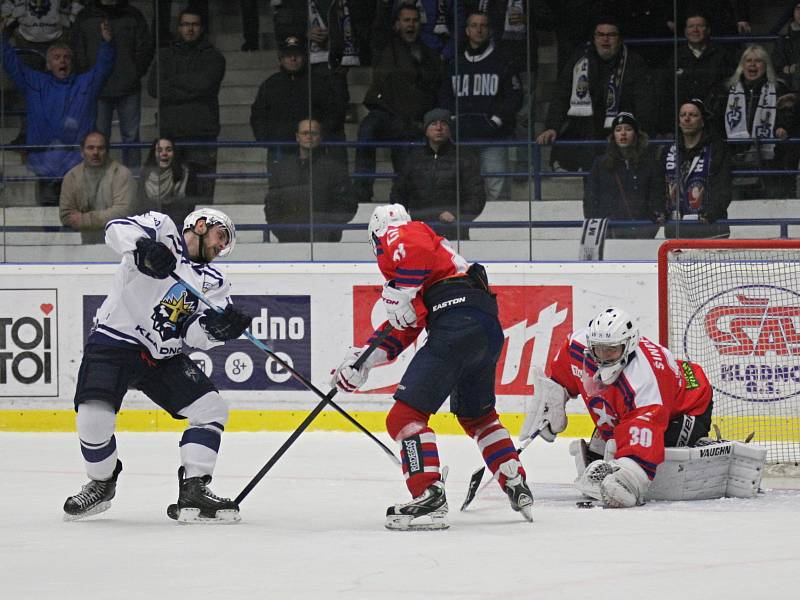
point(212, 216)
point(611, 341)
point(382, 217)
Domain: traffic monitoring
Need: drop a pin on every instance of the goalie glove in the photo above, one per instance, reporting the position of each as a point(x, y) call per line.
point(153, 258)
point(348, 379)
point(226, 325)
point(545, 410)
point(399, 308)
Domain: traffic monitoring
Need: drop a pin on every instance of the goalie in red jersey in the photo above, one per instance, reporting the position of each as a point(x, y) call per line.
point(429, 286)
point(651, 413)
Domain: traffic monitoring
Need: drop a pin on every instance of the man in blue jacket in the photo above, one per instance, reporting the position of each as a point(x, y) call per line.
point(62, 107)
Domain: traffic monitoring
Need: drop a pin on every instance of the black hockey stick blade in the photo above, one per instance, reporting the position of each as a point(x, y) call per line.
point(472, 489)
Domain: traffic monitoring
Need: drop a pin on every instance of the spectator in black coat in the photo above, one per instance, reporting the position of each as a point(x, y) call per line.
point(186, 84)
point(167, 183)
point(123, 91)
point(406, 75)
point(308, 191)
point(702, 66)
point(787, 52)
point(283, 99)
point(698, 176)
point(626, 182)
point(601, 80)
point(441, 184)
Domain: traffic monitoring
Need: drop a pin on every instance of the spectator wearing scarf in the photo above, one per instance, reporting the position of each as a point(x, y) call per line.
point(601, 80)
point(748, 108)
point(167, 184)
point(697, 172)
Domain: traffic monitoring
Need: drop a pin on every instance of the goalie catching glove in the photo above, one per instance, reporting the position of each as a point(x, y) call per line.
point(399, 308)
point(545, 410)
point(348, 379)
point(226, 325)
point(153, 258)
point(619, 483)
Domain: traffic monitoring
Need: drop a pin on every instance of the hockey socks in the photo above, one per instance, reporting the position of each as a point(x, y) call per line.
point(418, 451)
point(494, 443)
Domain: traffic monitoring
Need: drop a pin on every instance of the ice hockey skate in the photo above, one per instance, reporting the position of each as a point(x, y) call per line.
point(427, 511)
point(198, 504)
point(95, 497)
point(519, 494)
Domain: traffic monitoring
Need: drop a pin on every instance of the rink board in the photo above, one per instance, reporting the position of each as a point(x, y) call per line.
point(309, 314)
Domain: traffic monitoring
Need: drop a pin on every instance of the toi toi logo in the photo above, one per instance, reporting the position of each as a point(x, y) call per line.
point(28, 345)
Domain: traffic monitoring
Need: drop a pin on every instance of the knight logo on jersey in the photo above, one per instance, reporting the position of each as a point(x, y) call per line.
point(748, 339)
point(535, 320)
point(169, 315)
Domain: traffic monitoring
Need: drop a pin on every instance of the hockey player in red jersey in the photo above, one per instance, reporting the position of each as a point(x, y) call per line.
point(429, 286)
point(640, 398)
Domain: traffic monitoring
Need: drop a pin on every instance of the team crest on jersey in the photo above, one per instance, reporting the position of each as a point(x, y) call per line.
point(39, 8)
point(606, 417)
point(172, 311)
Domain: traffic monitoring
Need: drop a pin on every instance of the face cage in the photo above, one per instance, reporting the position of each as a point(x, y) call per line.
point(610, 363)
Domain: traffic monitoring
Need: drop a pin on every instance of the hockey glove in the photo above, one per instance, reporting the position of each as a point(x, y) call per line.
point(399, 308)
point(226, 325)
point(626, 486)
point(348, 379)
point(153, 258)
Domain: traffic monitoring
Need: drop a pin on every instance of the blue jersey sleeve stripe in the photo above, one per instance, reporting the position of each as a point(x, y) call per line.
point(421, 272)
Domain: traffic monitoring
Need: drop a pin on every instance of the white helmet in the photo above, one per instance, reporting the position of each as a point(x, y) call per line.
point(213, 217)
point(612, 327)
point(382, 217)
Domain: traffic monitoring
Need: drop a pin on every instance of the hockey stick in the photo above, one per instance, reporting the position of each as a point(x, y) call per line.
point(475, 479)
point(328, 398)
point(307, 421)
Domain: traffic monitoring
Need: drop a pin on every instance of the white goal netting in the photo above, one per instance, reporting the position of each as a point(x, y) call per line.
point(734, 308)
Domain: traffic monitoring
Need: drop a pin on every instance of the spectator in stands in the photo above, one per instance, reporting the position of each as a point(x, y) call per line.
point(122, 91)
point(626, 182)
point(787, 52)
point(286, 96)
point(61, 108)
point(186, 83)
point(406, 75)
point(574, 20)
point(643, 19)
point(752, 105)
point(725, 17)
point(701, 67)
point(167, 183)
point(437, 23)
point(698, 177)
point(338, 32)
point(309, 191)
point(37, 28)
point(95, 191)
point(489, 96)
point(514, 24)
point(602, 79)
point(162, 19)
point(440, 184)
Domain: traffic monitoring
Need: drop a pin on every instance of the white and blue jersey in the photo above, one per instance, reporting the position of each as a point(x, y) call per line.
point(156, 314)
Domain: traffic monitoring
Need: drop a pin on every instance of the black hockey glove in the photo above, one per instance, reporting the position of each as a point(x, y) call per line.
point(153, 258)
point(226, 325)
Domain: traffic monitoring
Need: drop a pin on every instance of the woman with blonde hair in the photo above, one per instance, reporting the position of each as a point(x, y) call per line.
point(753, 108)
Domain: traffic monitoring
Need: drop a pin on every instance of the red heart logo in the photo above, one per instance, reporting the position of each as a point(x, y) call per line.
point(46, 308)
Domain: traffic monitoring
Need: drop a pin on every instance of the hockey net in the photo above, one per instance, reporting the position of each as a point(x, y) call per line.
point(733, 306)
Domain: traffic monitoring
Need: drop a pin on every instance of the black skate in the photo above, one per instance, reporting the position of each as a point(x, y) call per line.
point(198, 504)
point(426, 511)
point(95, 497)
point(520, 496)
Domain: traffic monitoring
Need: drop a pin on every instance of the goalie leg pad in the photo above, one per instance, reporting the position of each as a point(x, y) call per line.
point(747, 467)
point(717, 470)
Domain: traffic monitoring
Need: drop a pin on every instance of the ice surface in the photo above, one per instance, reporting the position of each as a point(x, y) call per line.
point(313, 528)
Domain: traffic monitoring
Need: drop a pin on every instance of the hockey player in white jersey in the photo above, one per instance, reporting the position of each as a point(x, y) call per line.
point(137, 343)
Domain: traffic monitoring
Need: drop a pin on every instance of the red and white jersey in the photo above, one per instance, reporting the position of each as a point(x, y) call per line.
point(636, 409)
point(415, 257)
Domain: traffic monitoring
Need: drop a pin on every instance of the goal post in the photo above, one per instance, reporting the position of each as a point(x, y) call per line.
point(733, 306)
